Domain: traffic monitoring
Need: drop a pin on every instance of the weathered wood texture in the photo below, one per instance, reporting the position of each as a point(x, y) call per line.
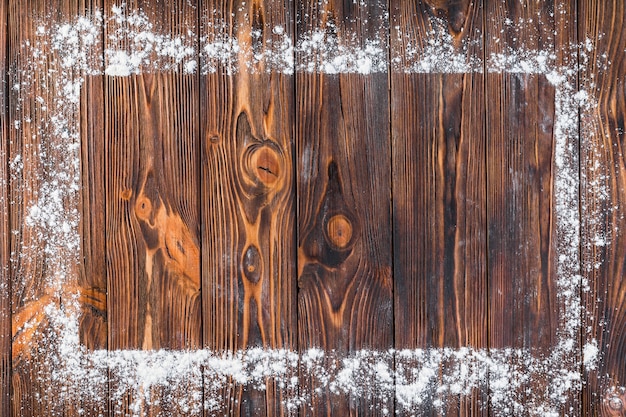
point(604, 202)
point(92, 282)
point(521, 217)
point(439, 182)
point(152, 207)
point(5, 230)
point(344, 180)
point(40, 256)
point(27, 273)
point(153, 248)
point(244, 206)
point(248, 212)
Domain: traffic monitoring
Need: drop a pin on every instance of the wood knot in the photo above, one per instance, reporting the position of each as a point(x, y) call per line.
point(334, 231)
point(214, 139)
point(615, 401)
point(143, 208)
point(265, 163)
point(339, 231)
point(262, 159)
point(126, 194)
point(252, 264)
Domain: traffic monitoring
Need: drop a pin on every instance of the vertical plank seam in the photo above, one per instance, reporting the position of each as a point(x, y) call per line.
point(391, 206)
point(199, 207)
point(486, 207)
point(9, 189)
point(296, 190)
point(296, 200)
point(108, 409)
point(577, 36)
point(7, 80)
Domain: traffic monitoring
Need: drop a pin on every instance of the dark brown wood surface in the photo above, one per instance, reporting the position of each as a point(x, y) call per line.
point(27, 272)
point(152, 217)
point(5, 251)
point(521, 130)
point(344, 187)
point(244, 203)
point(153, 209)
point(439, 182)
point(603, 199)
point(248, 184)
point(92, 281)
point(32, 267)
point(520, 175)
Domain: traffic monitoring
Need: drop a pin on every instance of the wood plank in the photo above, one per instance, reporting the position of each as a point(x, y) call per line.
point(528, 153)
point(28, 274)
point(152, 223)
point(93, 324)
point(92, 328)
point(91, 279)
point(5, 231)
point(344, 239)
point(146, 131)
point(248, 211)
point(152, 203)
point(604, 203)
point(44, 209)
point(439, 182)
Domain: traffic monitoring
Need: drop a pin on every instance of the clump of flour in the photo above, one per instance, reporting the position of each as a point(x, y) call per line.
point(135, 45)
point(438, 53)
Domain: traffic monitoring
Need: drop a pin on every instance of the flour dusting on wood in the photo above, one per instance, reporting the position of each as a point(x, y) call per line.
point(416, 377)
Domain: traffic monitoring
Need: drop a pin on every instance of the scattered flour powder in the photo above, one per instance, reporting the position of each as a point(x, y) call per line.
point(417, 377)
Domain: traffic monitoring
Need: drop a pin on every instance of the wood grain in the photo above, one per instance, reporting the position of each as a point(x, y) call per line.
point(26, 273)
point(344, 239)
point(415, 210)
point(524, 311)
point(152, 220)
point(248, 210)
point(93, 324)
point(5, 230)
point(152, 211)
point(38, 258)
point(604, 203)
point(439, 184)
point(93, 333)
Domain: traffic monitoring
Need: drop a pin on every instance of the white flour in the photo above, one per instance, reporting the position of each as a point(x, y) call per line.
point(421, 377)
